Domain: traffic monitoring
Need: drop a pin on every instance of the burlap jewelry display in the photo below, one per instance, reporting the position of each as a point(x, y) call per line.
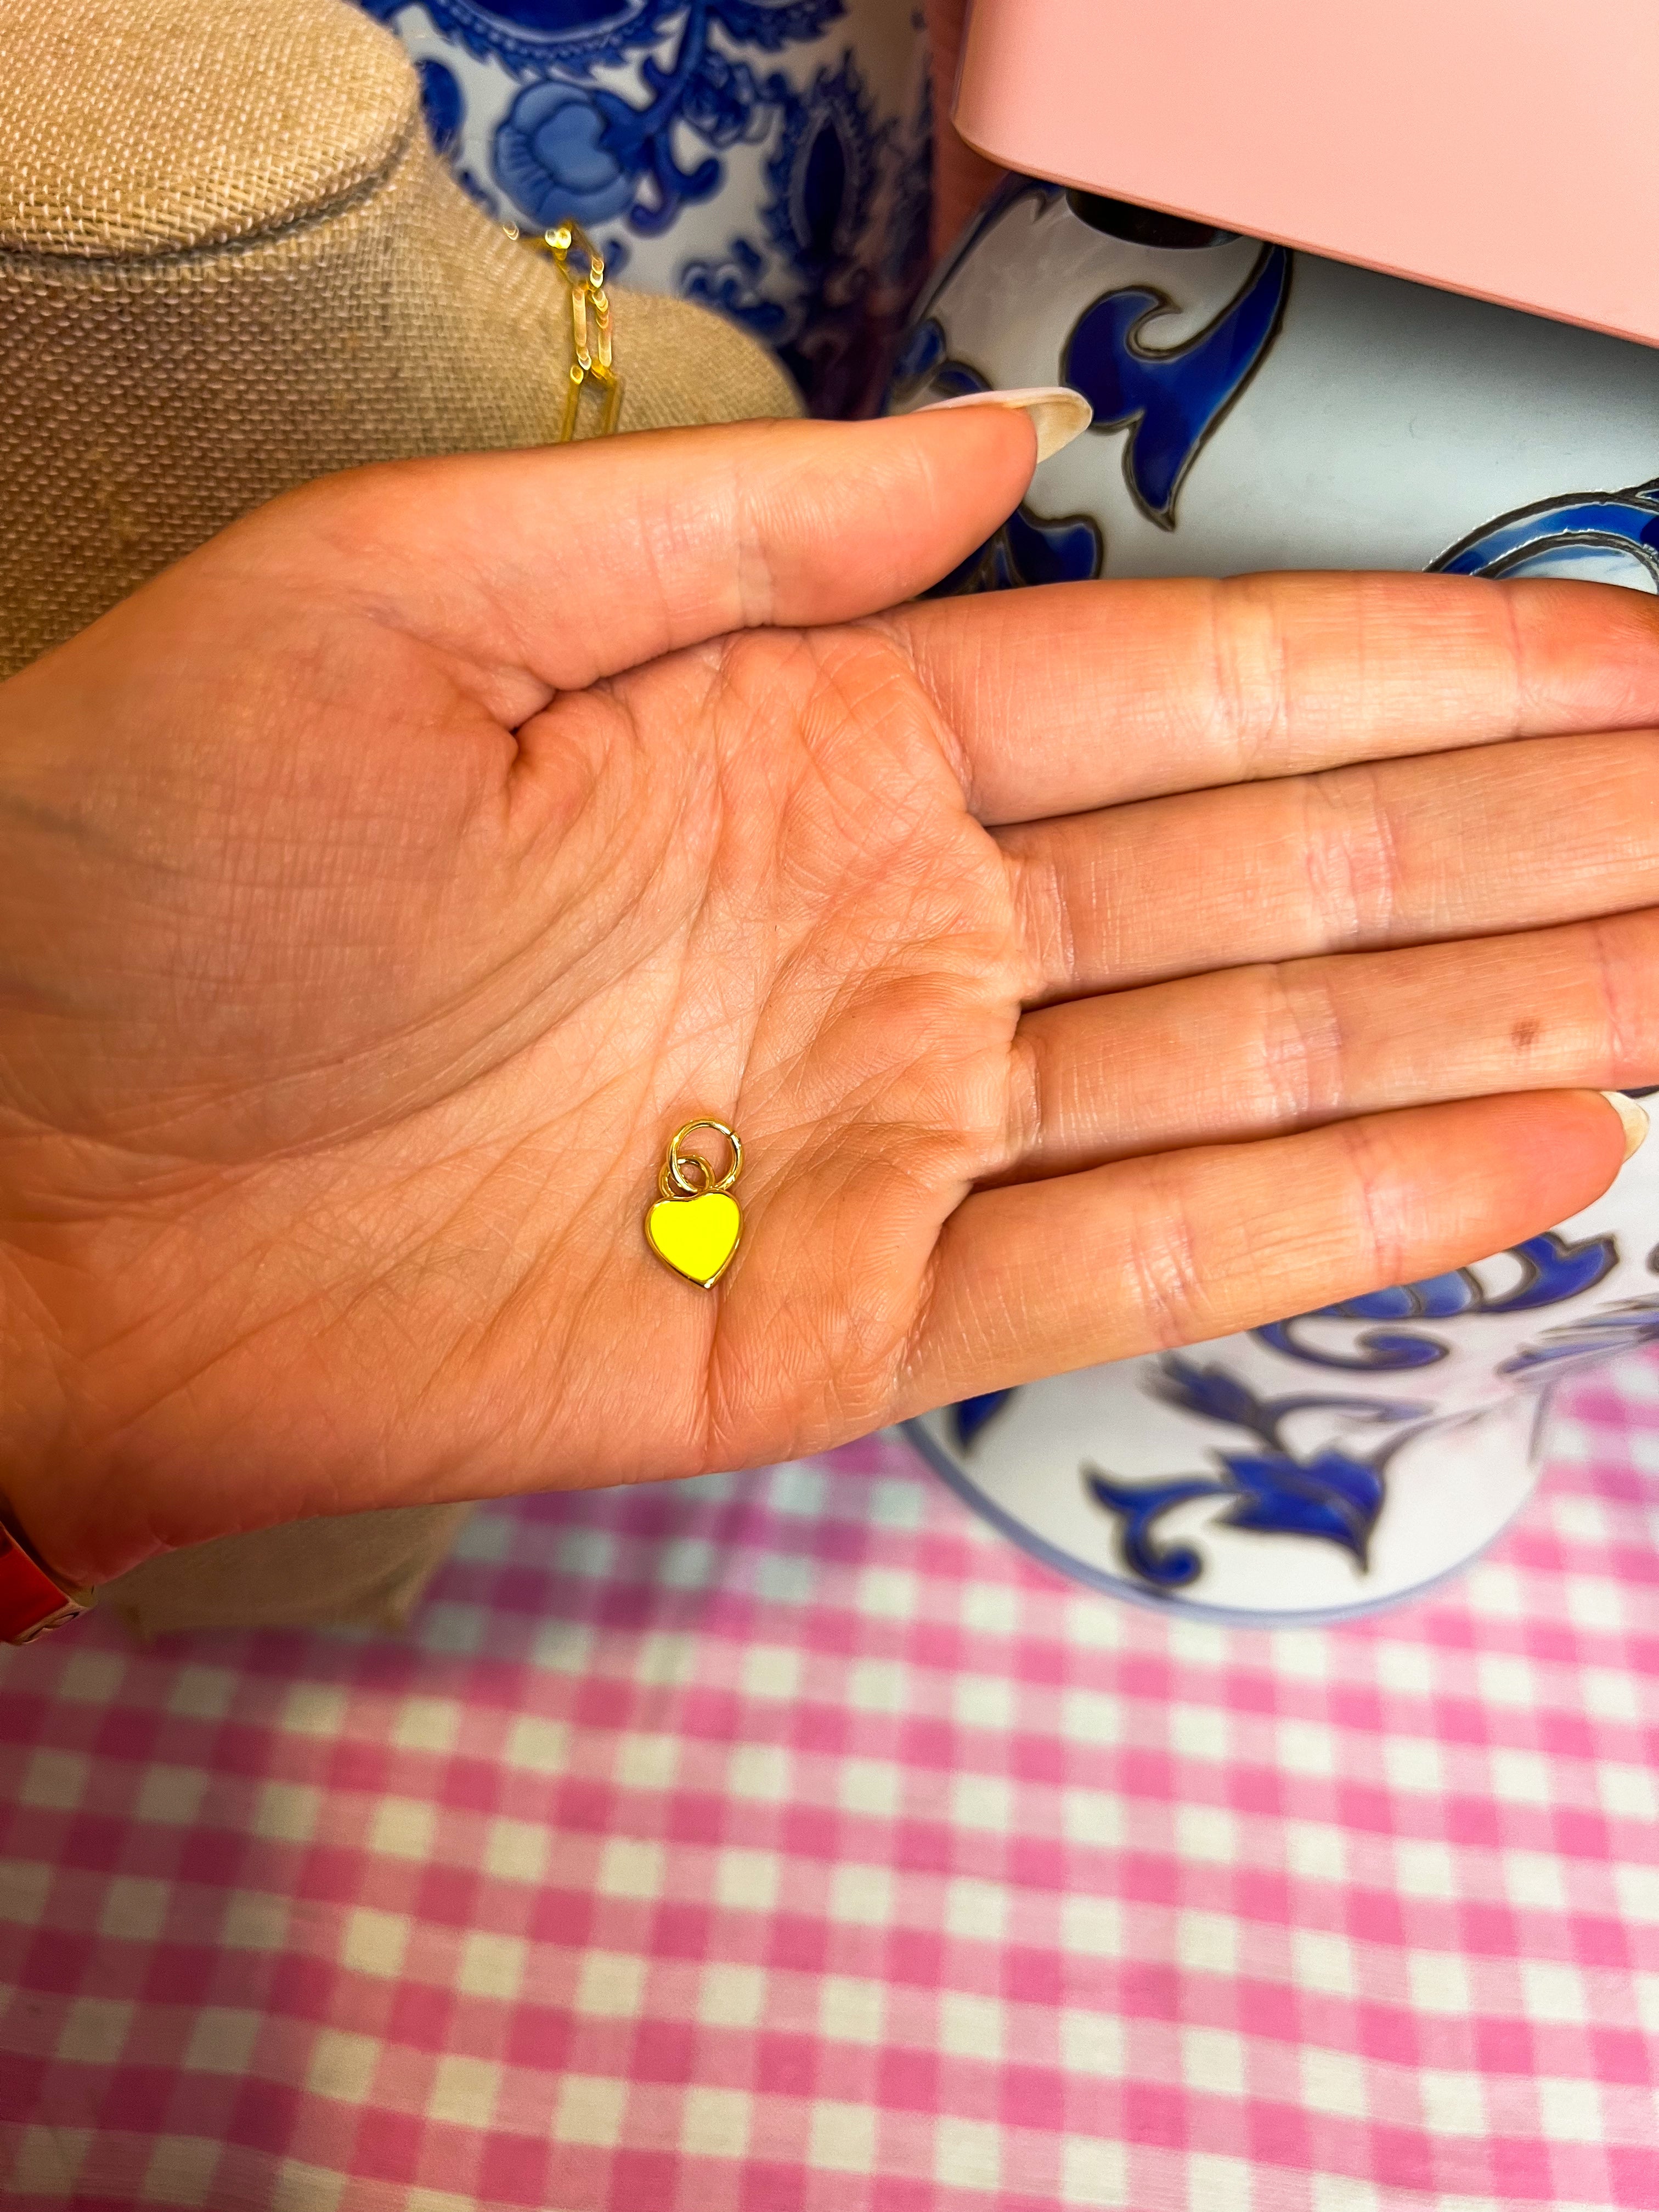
point(230, 262)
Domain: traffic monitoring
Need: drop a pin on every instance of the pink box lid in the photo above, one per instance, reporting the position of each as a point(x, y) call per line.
point(1495, 147)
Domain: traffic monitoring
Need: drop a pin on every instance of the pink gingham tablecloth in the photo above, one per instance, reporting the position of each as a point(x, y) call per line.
point(787, 1842)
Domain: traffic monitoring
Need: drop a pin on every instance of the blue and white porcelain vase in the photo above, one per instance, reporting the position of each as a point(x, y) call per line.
point(768, 158)
point(1259, 409)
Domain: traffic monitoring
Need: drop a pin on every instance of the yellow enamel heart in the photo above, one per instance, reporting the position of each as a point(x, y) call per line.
point(696, 1236)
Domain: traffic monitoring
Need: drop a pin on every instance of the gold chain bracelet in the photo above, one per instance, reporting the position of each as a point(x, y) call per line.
point(590, 323)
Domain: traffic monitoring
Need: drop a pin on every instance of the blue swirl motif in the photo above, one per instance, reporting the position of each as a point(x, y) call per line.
point(1580, 527)
point(1597, 1336)
point(837, 327)
point(445, 104)
point(1333, 1496)
point(1026, 550)
point(1170, 399)
point(970, 1415)
point(1589, 1337)
point(1552, 1271)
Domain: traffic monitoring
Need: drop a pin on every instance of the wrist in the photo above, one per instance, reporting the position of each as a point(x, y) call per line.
point(36, 1589)
point(33, 1599)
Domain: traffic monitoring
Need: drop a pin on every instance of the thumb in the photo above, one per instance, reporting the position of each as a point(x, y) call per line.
point(574, 562)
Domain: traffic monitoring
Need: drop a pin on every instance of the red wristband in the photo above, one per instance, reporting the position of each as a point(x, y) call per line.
point(31, 1600)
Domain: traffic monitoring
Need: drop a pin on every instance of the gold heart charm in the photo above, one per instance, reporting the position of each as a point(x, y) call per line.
point(696, 1236)
point(694, 1226)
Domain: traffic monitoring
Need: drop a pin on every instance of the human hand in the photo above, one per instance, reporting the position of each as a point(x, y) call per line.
point(382, 884)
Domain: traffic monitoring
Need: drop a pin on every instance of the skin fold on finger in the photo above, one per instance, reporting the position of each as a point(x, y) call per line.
point(1039, 1278)
point(1508, 837)
point(574, 562)
point(1086, 695)
point(1254, 1052)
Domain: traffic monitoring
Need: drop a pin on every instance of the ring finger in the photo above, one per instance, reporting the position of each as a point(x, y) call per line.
point(1262, 1051)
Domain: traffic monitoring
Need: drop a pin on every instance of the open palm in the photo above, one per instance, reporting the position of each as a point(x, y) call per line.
point(379, 888)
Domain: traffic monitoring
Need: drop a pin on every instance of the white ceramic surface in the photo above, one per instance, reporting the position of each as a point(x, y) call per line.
point(1258, 409)
point(1319, 1469)
point(1274, 410)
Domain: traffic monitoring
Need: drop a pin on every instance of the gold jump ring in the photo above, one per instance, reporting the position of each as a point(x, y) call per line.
point(674, 1166)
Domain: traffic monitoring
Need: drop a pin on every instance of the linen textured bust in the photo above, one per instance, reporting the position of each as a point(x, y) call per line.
point(230, 262)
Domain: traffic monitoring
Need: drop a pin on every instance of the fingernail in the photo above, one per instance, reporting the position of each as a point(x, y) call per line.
point(1058, 413)
point(1634, 1118)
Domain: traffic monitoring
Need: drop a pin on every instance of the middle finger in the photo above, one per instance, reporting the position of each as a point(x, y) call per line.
point(1512, 837)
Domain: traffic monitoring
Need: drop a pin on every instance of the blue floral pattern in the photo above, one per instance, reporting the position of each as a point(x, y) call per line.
point(625, 116)
point(530, 36)
point(970, 1415)
point(1332, 1496)
point(821, 180)
point(445, 104)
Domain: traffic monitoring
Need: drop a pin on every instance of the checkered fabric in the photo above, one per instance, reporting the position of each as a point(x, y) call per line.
point(787, 1842)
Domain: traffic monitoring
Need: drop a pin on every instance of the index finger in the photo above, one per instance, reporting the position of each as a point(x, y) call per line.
point(1079, 695)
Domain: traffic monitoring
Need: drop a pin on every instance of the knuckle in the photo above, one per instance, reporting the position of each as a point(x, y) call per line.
point(1301, 1048)
point(755, 578)
point(1354, 867)
point(1250, 648)
point(1621, 993)
point(1198, 1269)
point(1027, 1119)
point(1382, 1223)
point(1044, 926)
point(1164, 1264)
